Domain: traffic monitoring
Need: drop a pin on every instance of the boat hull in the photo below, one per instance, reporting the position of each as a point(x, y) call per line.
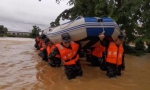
point(85, 30)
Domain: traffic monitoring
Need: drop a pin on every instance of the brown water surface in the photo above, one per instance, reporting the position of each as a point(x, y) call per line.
point(22, 69)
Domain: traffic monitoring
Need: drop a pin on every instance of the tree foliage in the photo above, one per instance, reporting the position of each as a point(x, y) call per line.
point(35, 31)
point(3, 30)
point(127, 13)
point(148, 50)
point(54, 24)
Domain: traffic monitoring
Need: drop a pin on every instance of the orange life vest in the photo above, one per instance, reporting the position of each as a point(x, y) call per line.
point(67, 54)
point(42, 45)
point(98, 50)
point(38, 39)
point(114, 54)
point(41, 49)
point(40, 42)
point(49, 50)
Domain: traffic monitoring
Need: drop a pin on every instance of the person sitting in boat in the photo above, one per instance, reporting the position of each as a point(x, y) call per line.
point(37, 42)
point(68, 54)
point(115, 56)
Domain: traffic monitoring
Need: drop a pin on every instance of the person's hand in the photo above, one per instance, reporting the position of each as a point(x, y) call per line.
point(101, 36)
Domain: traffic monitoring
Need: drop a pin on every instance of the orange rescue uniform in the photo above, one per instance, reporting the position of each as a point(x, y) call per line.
point(68, 56)
point(98, 50)
point(114, 54)
point(49, 50)
point(42, 45)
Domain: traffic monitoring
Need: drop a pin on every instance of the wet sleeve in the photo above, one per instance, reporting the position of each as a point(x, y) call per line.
point(123, 62)
point(54, 52)
point(105, 43)
point(102, 43)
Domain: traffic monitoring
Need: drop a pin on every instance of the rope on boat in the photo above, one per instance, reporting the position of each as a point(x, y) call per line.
point(101, 24)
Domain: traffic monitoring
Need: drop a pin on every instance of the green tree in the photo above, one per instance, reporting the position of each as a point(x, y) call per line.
point(54, 24)
point(3, 30)
point(35, 31)
point(127, 14)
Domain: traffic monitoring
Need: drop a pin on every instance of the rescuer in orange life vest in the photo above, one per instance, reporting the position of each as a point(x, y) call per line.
point(43, 53)
point(97, 55)
point(68, 53)
point(37, 42)
point(115, 56)
point(42, 38)
point(55, 62)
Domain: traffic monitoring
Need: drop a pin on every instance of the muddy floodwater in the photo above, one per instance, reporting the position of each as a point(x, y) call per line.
point(22, 69)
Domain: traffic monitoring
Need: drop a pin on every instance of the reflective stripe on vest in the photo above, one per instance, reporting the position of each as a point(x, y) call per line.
point(98, 50)
point(68, 54)
point(114, 54)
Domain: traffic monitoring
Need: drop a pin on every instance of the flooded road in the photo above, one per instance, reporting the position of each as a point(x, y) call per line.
point(22, 69)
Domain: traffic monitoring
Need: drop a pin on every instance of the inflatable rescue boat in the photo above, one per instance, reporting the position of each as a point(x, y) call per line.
point(85, 30)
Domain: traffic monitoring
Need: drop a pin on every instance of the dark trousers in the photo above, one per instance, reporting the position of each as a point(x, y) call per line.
point(88, 57)
point(95, 61)
point(113, 70)
point(56, 62)
point(72, 71)
point(103, 63)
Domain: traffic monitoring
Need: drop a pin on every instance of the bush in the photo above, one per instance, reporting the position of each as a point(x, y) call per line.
point(148, 49)
point(128, 49)
point(138, 50)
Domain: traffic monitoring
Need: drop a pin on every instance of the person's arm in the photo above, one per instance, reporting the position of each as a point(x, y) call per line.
point(102, 39)
point(105, 43)
point(54, 52)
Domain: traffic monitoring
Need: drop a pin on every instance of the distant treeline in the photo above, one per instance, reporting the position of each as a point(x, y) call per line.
point(23, 36)
point(4, 32)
